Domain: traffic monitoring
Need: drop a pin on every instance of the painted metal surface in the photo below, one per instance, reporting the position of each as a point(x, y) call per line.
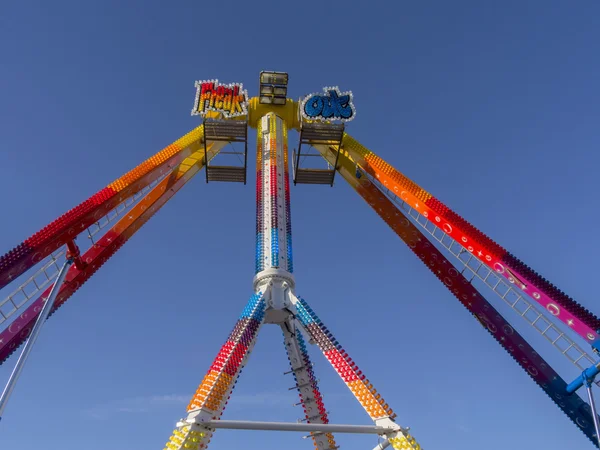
point(69, 225)
point(273, 217)
point(210, 399)
point(274, 267)
point(520, 350)
point(13, 336)
point(560, 305)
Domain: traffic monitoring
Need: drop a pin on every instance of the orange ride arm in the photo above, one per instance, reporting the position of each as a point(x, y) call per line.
point(494, 256)
point(69, 225)
point(538, 369)
point(18, 331)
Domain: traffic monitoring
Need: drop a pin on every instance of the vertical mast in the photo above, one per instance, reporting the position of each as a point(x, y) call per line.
point(274, 258)
point(274, 264)
point(273, 224)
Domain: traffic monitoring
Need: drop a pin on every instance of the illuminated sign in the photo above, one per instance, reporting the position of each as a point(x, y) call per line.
point(332, 105)
point(231, 100)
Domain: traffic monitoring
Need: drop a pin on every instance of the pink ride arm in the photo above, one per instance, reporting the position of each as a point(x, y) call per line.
point(522, 352)
point(567, 310)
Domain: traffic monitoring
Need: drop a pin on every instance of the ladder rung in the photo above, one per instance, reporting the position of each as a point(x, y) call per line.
point(231, 130)
point(318, 132)
point(226, 173)
point(314, 176)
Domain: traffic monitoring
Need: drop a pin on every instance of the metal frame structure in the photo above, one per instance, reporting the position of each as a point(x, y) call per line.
point(45, 270)
point(44, 313)
point(316, 133)
point(272, 88)
point(228, 131)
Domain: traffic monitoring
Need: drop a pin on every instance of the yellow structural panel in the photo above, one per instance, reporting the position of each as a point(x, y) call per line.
point(288, 113)
point(184, 438)
point(402, 442)
point(381, 170)
point(190, 142)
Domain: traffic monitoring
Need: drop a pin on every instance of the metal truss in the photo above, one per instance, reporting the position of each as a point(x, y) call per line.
point(475, 268)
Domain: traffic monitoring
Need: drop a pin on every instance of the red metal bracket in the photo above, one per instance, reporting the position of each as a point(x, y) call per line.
point(74, 253)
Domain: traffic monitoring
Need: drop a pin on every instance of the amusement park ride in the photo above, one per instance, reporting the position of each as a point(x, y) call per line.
point(44, 271)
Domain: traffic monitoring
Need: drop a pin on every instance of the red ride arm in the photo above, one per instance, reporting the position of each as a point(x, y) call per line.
point(70, 224)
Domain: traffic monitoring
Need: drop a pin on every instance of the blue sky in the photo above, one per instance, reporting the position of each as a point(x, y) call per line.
point(491, 106)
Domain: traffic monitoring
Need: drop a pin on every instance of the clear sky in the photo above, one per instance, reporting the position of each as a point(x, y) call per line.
point(491, 106)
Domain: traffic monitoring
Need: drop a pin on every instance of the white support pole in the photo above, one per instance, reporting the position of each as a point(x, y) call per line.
point(16, 373)
point(305, 383)
point(304, 427)
point(588, 386)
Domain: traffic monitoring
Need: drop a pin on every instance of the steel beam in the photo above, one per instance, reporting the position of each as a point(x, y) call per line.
point(303, 427)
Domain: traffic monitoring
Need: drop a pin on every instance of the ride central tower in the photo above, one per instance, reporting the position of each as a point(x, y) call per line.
point(274, 256)
point(274, 262)
point(227, 114)
point(49, 266)
point(274, 300)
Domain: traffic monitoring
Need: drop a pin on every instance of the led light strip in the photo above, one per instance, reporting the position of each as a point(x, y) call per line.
point(273, 161)
point(120, 210)
point(360, 386)
point(501, 287)
point(65, 228)
point(186, 438)
point(404, 442)
point(48, 271)
point(530, 361)
point(13, 336)
point(260, 219)
point(288, 209)
point(227, 364)
point(273, 227)
point(213, 393)
point(565, 309)
point(533, 364)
